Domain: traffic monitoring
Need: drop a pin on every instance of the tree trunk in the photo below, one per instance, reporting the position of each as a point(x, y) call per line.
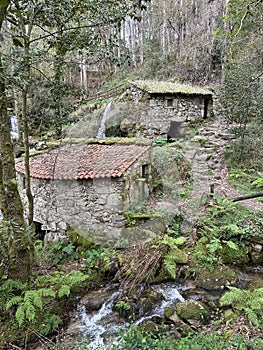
point(19, 247)
point(26, 133)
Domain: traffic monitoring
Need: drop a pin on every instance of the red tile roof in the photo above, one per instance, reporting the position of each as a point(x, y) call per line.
point(78, 161)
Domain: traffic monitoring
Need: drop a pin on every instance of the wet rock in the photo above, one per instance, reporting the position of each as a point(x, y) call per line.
point(94, 300)
point(170, 314)
point(147, 301)
point(209, 298)
point(217, 279)
point(193, 310)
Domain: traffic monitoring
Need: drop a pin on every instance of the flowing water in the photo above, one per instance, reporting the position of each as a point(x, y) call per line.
point(13, 127)
point(102, 128)
point(96, 325)
point(105, 323)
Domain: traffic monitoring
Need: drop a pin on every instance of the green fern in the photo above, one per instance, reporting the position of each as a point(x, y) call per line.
point(251, 302)
point(15, 300)
point(64, 291)
point(170, 264)
point(27, 304)
point(49, 322)
point(9, 289)
point(258, 183)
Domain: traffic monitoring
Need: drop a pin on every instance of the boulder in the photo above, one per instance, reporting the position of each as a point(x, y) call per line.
point(179, 256)
point(193, 310)
point(220, 277)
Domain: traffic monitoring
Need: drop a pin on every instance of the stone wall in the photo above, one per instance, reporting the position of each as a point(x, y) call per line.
point(153, 113)
point(94, 206)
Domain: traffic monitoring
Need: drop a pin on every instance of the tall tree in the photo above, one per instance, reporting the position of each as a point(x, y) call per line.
point(19, 246)
point(242, 88)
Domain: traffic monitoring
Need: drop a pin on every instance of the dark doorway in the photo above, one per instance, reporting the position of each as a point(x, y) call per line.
point(39, 233)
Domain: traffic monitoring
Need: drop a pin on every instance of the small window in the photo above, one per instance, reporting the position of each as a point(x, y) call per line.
point(169, 102)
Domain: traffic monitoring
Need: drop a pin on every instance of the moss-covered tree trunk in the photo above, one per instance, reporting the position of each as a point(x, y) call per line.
point(19, 251)
point(26, 33)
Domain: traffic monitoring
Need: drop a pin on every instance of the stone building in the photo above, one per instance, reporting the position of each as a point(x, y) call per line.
point(165, 109)
point(87, 187)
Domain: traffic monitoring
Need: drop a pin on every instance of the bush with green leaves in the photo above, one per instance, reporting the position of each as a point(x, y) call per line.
point(57, 252)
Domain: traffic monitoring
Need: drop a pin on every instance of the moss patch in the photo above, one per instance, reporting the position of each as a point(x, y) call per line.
point(217, 279)
point(193, 310)
point(163, 87)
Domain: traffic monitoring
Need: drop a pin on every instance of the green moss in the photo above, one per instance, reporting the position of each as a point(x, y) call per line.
point(80, 239)
point(179, 256)
point(168, 311)
point(234, 256)
point(144, 97)
point(193, 310)
point(163, 87)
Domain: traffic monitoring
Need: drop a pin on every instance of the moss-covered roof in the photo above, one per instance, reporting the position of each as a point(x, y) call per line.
point(166, 87)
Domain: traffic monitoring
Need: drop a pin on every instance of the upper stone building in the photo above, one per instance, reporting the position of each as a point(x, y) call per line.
point(164, 109)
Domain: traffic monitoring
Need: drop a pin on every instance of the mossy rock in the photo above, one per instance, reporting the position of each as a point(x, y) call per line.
point(193, 310)
point(159, 276)
point(179, 257)
point(169, 311)
point(230, 315)
point(220, 277)
point(80, 239)
point(257, 257)
point(143, 231)
point(150, 327)
point(234, 256)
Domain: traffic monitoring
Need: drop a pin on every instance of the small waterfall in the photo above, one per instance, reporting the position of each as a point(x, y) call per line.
point(13, 127)
point(102, 129)
point(171, 294)
point(96, 325)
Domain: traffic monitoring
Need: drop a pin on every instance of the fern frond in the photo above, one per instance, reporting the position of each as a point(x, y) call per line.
point(230, 297)
point(170, 265)
point(20, 315)
point(252, 316)
point(47, 292)
point(30, 311)
point(64, 291)
point(16, 300)
point(11, 285)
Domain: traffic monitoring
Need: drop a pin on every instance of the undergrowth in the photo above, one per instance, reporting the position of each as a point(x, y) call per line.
point(137, 339)
point(224, 231)
point(246, 301)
